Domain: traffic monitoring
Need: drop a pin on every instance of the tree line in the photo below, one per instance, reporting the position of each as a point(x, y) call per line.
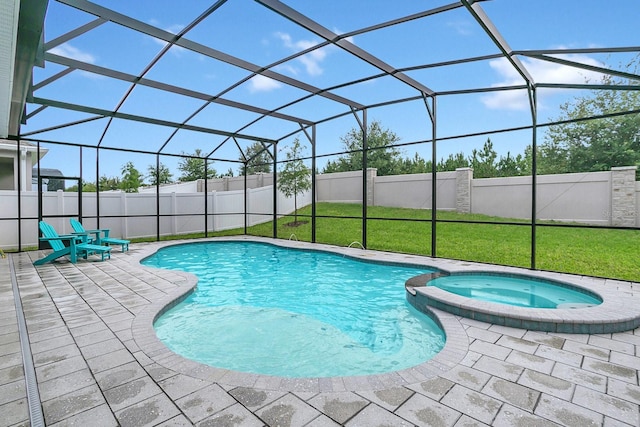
point(256, 159)
point(191, 168)
point(387, 158)
point(577, 142)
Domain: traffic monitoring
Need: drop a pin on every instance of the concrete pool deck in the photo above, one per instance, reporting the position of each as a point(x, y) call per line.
point(98, 363)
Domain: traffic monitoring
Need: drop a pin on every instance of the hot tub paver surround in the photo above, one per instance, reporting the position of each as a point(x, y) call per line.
point(395, 399)
point(616, 313)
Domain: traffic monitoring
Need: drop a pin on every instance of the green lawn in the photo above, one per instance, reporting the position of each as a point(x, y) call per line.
point(588, 251)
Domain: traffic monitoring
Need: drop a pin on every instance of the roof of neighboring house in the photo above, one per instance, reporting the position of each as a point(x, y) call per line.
point(48, 172)
point(45, 172)
point(10, 145)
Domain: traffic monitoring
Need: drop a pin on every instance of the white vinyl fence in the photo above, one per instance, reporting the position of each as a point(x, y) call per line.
point(137, 212)
point(599, 198)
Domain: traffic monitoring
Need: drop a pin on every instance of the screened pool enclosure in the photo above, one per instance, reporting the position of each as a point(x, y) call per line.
point(474, 130)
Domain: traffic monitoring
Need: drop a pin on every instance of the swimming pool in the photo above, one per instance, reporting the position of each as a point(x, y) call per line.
point(265, 309)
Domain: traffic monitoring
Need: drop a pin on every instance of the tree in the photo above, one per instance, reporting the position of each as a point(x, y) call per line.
point(131, 178)
point(55, 184)
point(414, 165)
point(87, 187)
point(598, 144)
point(484, 162)
point(381, 154)
point(294, 178)
point(106, 184)
point(553, 157)
point(160, 175)
point(513, 166)
point(453, 162)
point(258, 159)
point(228, 173)
point(388, 161)
point(192, 167)
point(487, 164)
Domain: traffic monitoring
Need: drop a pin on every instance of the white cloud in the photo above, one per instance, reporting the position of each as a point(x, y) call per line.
point(542, 72)
point(312, 60)
point(289, 68)
point(68, 51)
point(464, 28)
point(507, 100)
point(261, 83)
point(349, 39)
point(73, 52)
point(173, 29)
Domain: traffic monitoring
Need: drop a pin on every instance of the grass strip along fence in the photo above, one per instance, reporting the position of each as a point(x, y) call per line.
point(597, 252)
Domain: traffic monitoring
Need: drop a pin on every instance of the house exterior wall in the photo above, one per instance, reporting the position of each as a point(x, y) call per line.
point(10, 161)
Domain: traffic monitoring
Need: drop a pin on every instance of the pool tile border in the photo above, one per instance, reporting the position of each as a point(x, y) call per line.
point(455, 349)
point(445, 311)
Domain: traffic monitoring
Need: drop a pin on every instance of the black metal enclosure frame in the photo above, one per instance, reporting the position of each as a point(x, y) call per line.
point(305, 127)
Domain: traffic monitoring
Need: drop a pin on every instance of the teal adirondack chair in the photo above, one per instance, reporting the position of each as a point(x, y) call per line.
point(101, 235)
point(78, 246)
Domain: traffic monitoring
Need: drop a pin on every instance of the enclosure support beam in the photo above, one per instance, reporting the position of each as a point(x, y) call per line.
point(434, 187)
point(136, 118)
point(183, 42)
point(310, 25)
point(431, 110)
point(313, 183)
point(534, 172)
point(206, 200)
point(73, 34)
point(158, 196)
point(80, 189)
point(246, 196)
point(481, 17)
point(20, 191)
point(39, 186)
point(74, 64)
point(98, 187)
point(275, 190)
point(365, 189)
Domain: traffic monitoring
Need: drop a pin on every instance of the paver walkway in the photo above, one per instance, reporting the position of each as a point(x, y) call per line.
point(93, 370)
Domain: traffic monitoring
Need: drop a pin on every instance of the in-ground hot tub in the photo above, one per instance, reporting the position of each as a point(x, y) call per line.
point(523, 301)
point(516, 290)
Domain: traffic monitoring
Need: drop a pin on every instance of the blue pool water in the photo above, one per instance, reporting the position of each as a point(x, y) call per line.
point(265, 309)
point(515, 290)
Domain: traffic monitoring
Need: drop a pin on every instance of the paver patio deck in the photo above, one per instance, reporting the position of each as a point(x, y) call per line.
point(98, 364)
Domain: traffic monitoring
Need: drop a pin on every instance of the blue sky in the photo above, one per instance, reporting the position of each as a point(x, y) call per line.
point(249, 31)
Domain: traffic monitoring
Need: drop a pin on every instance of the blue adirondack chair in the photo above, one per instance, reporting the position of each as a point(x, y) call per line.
point(77, 246)
point(101, 235)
